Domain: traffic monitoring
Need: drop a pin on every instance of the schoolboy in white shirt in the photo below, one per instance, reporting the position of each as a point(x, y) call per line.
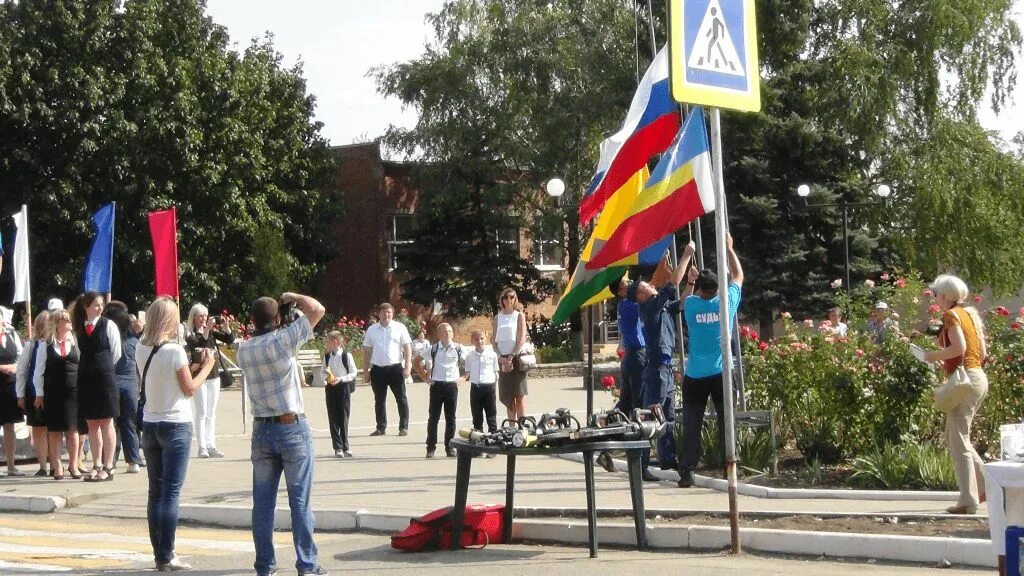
point(441, 361)
point(340, 378)
point(482, 371)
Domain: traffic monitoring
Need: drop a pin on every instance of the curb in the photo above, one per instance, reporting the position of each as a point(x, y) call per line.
point(33, 504)
point(790, 493)
point(926, 550)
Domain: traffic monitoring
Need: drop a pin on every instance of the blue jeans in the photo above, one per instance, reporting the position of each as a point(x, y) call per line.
point(660, 388)
point(166, 446)
point(284, 448)
point(128, 436)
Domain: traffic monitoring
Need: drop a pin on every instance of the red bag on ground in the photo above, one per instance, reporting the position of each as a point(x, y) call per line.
point(482, 525)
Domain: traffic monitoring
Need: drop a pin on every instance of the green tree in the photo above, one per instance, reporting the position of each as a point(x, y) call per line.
point(855, 92)
point(509, 94)
point(149, 107)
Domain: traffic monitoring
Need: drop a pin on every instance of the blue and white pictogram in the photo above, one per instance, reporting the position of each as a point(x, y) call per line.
point(713, 51)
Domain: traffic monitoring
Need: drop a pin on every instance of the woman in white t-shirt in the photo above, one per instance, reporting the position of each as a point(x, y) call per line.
point(508, 338)
point(168, 385)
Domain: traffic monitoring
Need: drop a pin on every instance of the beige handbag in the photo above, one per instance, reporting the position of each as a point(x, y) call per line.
point(953, 391)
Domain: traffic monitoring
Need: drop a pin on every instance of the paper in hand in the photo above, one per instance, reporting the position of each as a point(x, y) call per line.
point(918, 352)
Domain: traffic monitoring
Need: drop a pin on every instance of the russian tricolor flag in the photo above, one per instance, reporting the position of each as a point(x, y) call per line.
point(651, 125)
point(679, 190)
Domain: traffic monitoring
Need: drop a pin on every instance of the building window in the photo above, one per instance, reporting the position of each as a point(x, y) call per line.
point(547, 252)
point(507, 242)
point(400, 239)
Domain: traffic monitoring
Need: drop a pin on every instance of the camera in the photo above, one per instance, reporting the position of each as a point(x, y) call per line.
point(197, 356)
point(288, 312)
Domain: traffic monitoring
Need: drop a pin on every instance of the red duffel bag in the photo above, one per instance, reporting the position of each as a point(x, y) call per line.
point(482, 525)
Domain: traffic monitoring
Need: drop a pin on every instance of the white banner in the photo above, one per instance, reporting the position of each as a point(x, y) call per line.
point(22, 290)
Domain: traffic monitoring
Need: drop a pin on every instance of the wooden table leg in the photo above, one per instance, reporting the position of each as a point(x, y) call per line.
point(588, 469)
point(510, 488)
point(461, 493)
point(636, 492)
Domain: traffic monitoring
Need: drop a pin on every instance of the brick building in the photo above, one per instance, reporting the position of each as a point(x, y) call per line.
point(380, 204)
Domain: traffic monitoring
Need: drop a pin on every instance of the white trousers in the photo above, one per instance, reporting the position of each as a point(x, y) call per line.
point(204, 413)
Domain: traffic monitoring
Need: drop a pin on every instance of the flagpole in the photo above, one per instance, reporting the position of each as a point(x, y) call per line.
point(28, 317)
point(721, 226)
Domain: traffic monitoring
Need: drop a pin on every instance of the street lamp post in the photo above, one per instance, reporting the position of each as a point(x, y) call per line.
point(882, 191)
point(555, 188)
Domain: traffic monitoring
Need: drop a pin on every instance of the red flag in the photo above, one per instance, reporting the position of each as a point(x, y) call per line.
point(163, 227)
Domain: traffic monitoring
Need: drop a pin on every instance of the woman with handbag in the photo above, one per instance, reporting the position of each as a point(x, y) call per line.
point(508, 338)
point(168, 382)
point(963, 344)
point(202, 333)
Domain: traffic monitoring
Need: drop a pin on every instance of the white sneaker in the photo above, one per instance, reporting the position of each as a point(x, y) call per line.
point(204, 454)
point(133, 468)
point(214, 453)
point(175, 565)
point(339, 454)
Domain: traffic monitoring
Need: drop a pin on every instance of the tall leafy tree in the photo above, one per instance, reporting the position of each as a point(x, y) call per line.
point(855, 93)
point(509, 94)
point(142, 102)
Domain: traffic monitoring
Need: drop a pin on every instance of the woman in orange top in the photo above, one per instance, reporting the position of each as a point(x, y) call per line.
point(963, 341)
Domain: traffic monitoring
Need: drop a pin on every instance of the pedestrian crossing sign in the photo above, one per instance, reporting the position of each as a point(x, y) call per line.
point(713, 53)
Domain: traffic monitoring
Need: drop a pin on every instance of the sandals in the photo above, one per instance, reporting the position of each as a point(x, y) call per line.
point(100, 475)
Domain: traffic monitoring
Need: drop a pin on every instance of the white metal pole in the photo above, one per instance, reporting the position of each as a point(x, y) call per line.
point(721, 228)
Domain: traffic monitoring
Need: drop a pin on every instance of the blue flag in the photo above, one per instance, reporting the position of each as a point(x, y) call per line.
point(99, 265)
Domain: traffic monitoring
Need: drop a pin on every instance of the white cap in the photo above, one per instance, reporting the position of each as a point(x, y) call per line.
point(54, 304)
point(880, 305)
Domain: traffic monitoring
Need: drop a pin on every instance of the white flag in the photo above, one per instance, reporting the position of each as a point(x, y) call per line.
point(22, 291)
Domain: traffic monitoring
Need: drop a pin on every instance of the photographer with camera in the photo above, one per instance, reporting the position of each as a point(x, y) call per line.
point(202, 332)
point(281, 439)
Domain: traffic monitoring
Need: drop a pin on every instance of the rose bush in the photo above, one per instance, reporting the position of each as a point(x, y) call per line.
point(836, 398)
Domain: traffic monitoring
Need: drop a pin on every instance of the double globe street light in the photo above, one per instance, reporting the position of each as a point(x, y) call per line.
point(882, 191)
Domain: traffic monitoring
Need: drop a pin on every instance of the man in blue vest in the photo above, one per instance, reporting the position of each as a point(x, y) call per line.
point(659, 306)
point(703, 374)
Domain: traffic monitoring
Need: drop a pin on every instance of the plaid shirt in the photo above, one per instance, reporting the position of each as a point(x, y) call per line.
point(272, 373)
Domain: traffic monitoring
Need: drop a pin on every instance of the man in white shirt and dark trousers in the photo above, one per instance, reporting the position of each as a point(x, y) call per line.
point(441, 360)
point(482, 371)
point(388, 357)
point(340, 379)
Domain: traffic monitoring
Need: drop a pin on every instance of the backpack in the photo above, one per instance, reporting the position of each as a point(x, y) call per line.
point(344, 360)
point(482, 525)
point(437, 346)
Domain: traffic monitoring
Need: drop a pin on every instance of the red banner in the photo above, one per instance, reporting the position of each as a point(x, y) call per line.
point(163, 228)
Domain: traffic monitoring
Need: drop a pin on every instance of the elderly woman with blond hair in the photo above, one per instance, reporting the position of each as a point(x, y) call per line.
point(962, 341)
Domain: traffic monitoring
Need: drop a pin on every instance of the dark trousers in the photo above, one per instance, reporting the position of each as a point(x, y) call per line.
point(127, 433)
point(695, 399)
point(339, 406)
point(660, 388)
point(631, 386)
point(443, 395)
point(482, 399)
point(382, 378)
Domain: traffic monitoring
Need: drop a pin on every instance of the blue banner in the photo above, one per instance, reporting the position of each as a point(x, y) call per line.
point(99, 266)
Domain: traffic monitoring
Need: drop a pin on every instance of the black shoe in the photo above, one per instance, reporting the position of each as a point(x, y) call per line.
point(668, 465)
point(42, 473)
point(686, 479)
point(650, 477)
point(377, 432)
point(450, 452)
point(318, 571)
point(430, 453)
point(604, 460)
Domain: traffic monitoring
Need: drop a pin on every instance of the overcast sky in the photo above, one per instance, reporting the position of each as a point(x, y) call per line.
point(339, 40)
